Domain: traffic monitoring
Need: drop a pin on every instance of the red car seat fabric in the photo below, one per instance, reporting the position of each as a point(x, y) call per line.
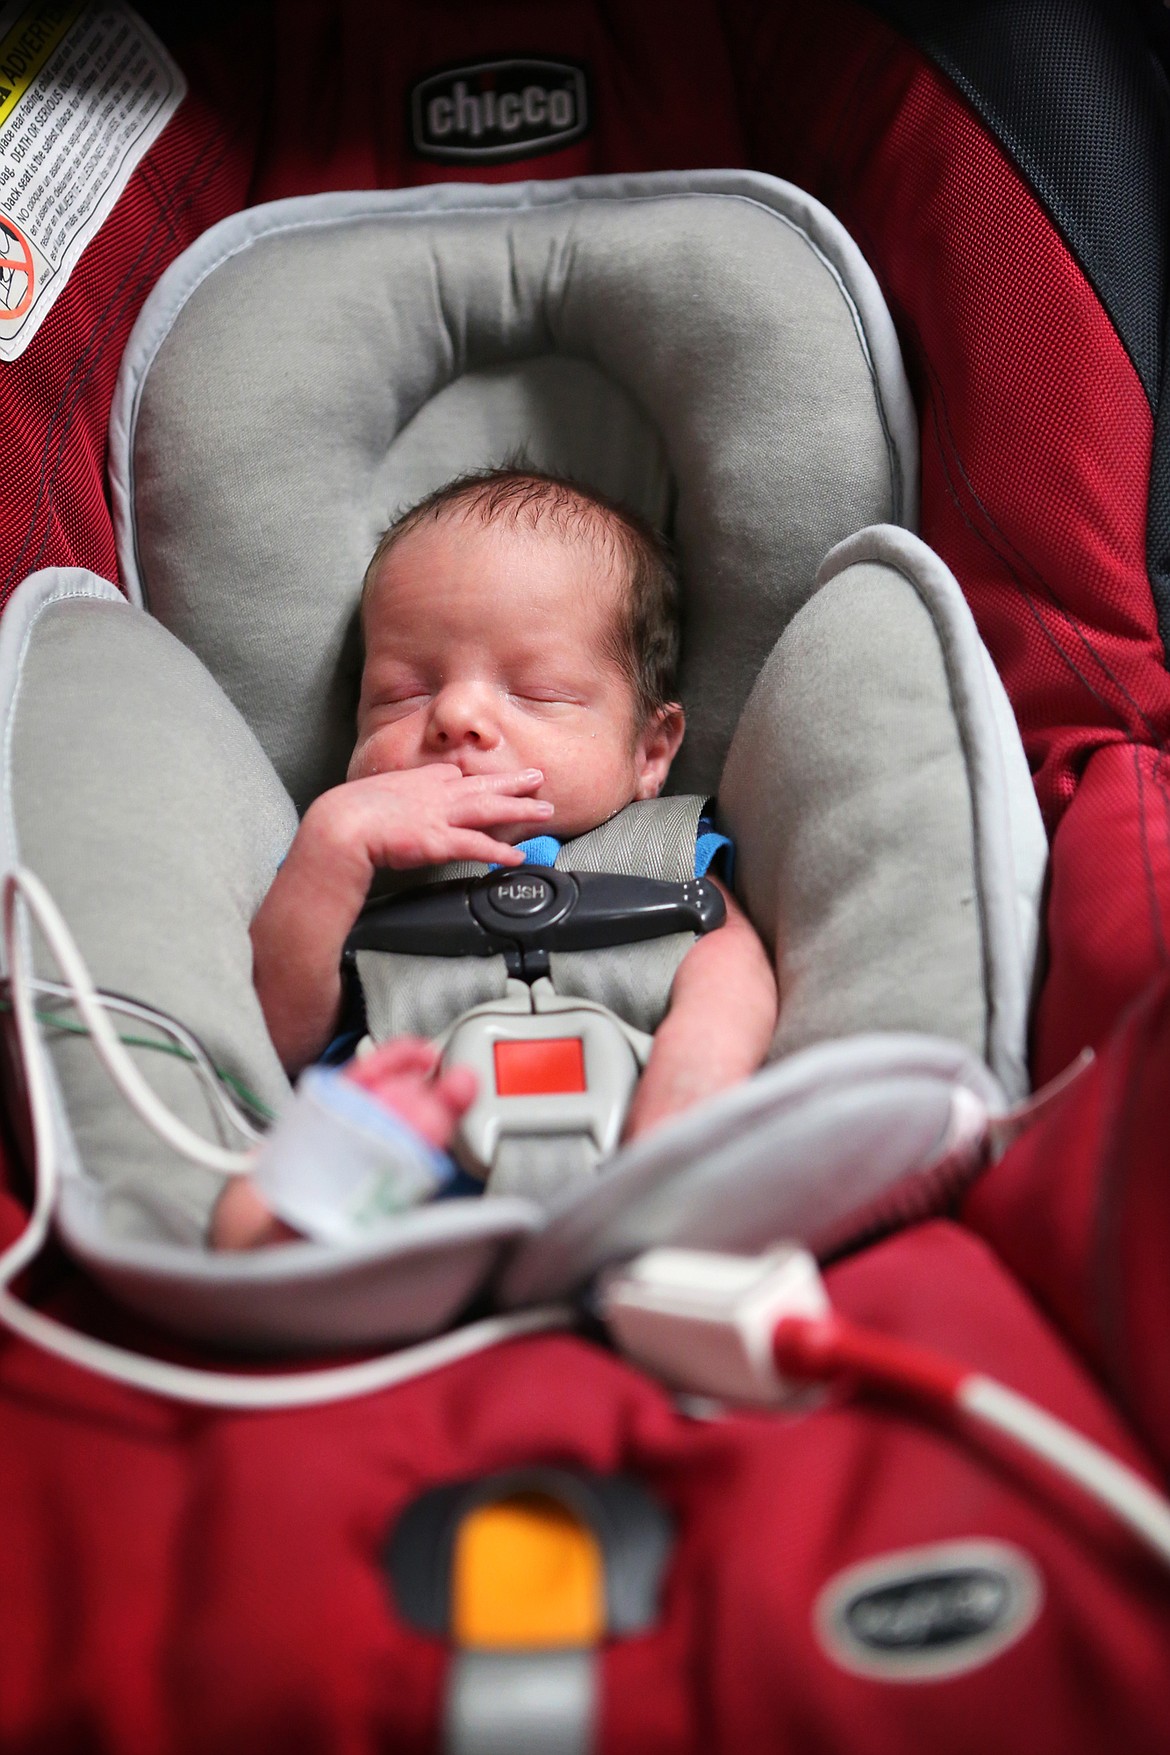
point(1037, 439)
point(55, 399)
point(1036, 428)
point(659, 91)
point(246, 1549)
point(1074, 1207)
point(1072, 91)
point(1108, 916)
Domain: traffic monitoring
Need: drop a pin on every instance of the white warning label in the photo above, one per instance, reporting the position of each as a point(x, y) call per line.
point(84, 93)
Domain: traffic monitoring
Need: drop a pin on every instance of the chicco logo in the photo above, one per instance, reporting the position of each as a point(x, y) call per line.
point(496, 110)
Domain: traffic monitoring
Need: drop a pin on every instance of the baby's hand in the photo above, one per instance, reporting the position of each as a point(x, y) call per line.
point(423, 816)
point(416, 816)
point(403, 1075)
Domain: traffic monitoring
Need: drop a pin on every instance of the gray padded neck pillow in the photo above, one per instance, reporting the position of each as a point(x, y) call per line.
point(709, 346)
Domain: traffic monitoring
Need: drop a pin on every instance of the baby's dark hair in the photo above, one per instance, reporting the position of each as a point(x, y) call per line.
point(644, 638)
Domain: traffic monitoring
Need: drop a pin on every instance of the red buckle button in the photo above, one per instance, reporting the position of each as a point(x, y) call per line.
point(549, 1068)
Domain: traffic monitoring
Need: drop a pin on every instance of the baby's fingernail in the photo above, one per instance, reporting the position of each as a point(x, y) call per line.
point(544, 806)
point(533, 774)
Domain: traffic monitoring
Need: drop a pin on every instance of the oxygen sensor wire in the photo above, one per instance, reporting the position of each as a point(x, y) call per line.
point(827, 1348)
point(247, 1114)
point(759, 1330)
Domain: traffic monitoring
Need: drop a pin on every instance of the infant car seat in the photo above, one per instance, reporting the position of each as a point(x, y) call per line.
point(855, 1578)
point(712, 348)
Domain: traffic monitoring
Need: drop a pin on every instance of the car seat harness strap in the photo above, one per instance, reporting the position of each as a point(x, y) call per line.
point(547, 981)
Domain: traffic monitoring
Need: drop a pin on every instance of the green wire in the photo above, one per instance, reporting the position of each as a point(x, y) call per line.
point(54, 1021)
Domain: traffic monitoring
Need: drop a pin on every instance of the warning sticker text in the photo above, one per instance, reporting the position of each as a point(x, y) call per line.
point(84, 92)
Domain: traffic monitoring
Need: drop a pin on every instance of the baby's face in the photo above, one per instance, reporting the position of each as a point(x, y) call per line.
point(485, 647)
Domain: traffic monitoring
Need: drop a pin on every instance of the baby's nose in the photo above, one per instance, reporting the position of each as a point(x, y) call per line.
point(462, 714)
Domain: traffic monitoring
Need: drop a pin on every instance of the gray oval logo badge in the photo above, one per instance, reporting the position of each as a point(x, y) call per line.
point(497, 110)
point(927, 1613)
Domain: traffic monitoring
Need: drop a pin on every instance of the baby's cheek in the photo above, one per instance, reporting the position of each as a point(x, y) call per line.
point(373, 755)
point(359, 767)
point(597, 782)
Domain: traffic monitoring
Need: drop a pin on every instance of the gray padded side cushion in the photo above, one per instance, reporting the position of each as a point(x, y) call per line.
point(307, 367)
point(828, 1147)
point(136, 792)
point(898, 871)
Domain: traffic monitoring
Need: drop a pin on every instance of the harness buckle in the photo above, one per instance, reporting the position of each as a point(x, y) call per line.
point(555, 1078)
point(553, 1090)
point(526, 911)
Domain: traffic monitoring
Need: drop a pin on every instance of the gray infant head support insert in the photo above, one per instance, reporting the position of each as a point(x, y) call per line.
point(709, 347)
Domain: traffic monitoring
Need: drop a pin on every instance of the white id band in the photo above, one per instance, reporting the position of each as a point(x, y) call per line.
point(338, 1162)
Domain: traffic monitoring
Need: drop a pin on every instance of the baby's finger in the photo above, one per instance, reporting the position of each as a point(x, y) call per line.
point(485, 808)
point(469, 844)
point(243, 1220)
point(456, 1088)
point(425, 1108)
point(393, 1060)
point(523, 780)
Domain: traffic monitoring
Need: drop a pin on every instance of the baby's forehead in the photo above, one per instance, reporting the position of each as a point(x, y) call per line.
point(451, 580)
point(460, 534)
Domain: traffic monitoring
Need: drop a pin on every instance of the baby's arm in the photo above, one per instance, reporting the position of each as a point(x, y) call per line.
point(723, 1010)
point(415, 817)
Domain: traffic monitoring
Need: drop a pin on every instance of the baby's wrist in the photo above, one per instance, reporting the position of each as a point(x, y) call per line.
point(326, 850)
point(322, 881)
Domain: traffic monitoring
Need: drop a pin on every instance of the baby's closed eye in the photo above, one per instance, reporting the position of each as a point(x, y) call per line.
point(545, 695)
point(395, 701)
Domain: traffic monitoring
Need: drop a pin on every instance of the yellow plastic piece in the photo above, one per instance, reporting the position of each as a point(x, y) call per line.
point(526, 1575)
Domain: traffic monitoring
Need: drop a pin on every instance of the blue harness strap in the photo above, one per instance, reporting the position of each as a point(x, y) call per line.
point(714, 849)
point(540, 850)
point(710, 846)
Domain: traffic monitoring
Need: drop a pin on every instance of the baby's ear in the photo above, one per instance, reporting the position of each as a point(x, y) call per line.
point(657, 747)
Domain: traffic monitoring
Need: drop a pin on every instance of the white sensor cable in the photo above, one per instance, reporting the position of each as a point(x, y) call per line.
point(827, 1347)
point(217, 1389)
point(184, 1042)
point(22, 884)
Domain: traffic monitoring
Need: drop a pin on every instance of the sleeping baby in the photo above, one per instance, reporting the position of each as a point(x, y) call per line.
point(521, 641)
